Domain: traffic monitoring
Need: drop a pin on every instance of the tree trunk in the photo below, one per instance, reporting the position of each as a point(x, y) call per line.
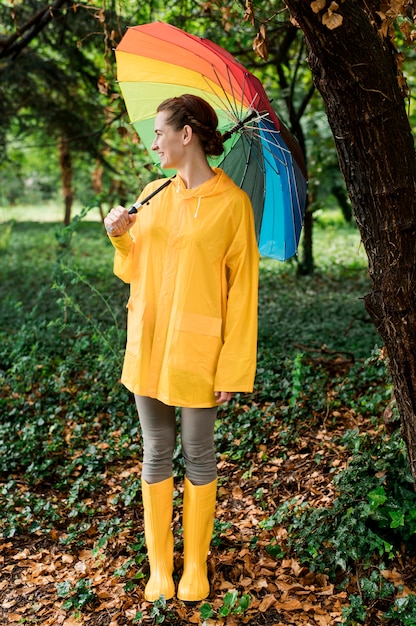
point(306, 264)
point(355, 71)
point(65, 163)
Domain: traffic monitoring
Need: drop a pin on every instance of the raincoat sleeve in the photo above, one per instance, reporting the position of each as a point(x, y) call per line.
point(123, 257)
point(125, 246)
point(237, 360)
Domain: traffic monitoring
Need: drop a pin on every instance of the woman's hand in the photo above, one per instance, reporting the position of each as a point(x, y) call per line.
point(118, 221)
point(223, 396)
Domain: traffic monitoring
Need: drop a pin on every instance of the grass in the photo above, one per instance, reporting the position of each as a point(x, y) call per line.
point(50, 211)
point(325, 309)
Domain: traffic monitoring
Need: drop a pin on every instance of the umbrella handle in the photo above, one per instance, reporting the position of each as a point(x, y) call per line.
point(239, 125)
point(135, 207)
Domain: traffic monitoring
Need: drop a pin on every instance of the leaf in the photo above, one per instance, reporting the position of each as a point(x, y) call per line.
point(377, 497)
point(260, 45)
point(289, 605)
point(318, 5)
point(397, 519)
point(266, 603)
point(249, 12)
point(73, 622)
point(63, 589)
point(332, 20)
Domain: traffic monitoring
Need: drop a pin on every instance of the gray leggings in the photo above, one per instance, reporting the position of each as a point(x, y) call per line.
point(158, 424)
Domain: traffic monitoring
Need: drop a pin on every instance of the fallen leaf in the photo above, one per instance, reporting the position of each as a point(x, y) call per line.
point(289, 605)
point(266, 603)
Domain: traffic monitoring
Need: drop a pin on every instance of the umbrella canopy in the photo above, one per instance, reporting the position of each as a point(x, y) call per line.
point(158, 61)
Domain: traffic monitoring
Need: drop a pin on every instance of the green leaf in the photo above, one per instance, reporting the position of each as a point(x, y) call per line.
point(206, 611)
point(377, 497)
point(63, 589)
point(397, 519)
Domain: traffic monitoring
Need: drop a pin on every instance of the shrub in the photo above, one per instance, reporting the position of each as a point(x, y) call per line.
point(374, 512)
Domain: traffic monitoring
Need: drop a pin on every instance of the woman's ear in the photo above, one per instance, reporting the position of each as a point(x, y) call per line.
point(187, 134)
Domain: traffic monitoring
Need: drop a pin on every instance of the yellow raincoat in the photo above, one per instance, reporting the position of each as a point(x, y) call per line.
point(191, 259)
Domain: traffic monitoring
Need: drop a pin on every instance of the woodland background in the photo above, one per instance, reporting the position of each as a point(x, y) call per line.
point(317, 510)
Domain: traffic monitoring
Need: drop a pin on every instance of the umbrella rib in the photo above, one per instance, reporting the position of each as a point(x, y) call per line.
point(285, 151)
point(231, 111)
point(233, 104)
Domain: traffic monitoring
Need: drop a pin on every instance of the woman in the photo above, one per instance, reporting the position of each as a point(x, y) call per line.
point(191, 260)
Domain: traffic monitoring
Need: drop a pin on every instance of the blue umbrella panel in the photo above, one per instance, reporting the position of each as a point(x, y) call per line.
point(260, 162)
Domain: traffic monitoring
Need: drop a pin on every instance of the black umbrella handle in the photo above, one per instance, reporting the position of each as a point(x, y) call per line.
point(239, 125)
point(135, 207)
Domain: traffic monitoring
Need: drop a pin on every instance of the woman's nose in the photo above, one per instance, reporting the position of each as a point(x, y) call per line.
point(154, 145)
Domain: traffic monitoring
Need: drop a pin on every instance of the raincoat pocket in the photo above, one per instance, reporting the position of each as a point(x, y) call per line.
point(197, 343)
point(135, 317)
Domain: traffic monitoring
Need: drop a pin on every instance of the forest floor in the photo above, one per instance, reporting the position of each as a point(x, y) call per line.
point(35, 566)
point(72, 550)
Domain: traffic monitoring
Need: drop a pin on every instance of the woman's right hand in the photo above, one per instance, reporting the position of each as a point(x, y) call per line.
point(118, 221)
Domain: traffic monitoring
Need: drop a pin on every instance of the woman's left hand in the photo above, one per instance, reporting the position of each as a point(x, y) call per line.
point(223, 396)
point(118, 221)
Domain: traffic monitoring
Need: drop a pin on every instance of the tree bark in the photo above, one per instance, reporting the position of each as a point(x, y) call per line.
point(65, 163)
point(354, 69)
point(306, 264)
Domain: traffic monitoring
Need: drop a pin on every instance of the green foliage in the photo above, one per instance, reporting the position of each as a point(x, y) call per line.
point(160, 611)
point(355, 613)
point(297, 380)
point(375, 590)
point(403, 609)
point(78, 595)
point(240, 432)
point(64, 417)
point(310, 313)
point(233, 603)
point(219, 528)
point(374, 512)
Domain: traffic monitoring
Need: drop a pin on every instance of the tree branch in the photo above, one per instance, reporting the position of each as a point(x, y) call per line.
point(17, 42)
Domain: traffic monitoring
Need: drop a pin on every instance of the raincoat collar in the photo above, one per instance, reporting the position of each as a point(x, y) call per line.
point(208, 188)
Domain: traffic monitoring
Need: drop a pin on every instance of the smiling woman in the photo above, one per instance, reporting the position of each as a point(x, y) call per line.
point(191, 260)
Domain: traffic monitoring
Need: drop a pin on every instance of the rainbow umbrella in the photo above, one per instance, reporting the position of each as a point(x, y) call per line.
point(158, 61)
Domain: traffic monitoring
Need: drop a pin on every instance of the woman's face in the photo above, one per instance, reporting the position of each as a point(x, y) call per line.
point(168, 143)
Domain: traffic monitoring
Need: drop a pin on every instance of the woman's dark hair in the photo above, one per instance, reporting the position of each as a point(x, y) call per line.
point(200, 116)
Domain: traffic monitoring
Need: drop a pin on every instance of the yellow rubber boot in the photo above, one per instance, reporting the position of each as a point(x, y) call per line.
point(158, 509)
point(198, 524)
